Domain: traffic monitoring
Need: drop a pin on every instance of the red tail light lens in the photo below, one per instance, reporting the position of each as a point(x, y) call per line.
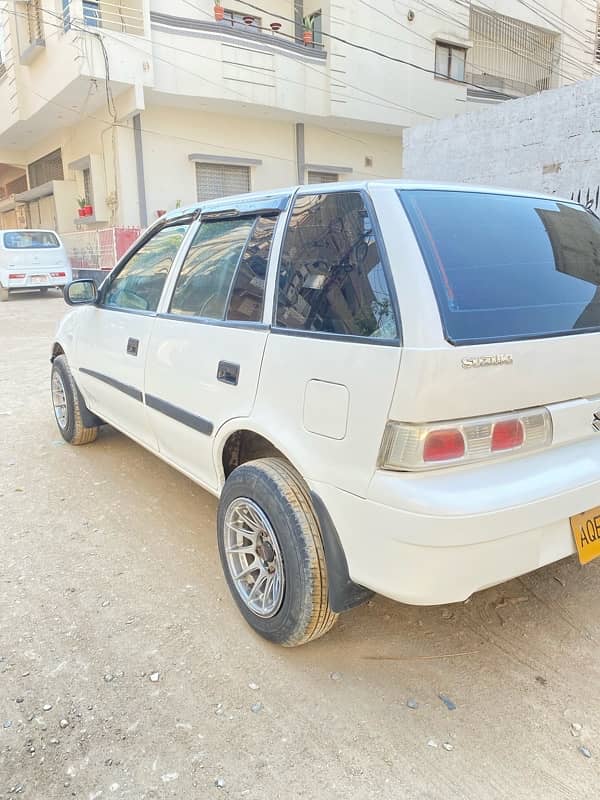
point(58, 274)
point(16, 276)
point(507, 435)
point(443, 445)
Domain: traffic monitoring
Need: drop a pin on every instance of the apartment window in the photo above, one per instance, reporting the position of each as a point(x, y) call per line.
point(220, 180)
point(47, 168)
point(317, 29)
point(91, 14)
point(66, 14)
point(34, 21)
point(450, 61)
point(236, 20)
point(322, 177)
point(87, 186)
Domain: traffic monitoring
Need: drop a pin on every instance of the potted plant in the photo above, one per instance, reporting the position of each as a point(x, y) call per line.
point(307, 36)
point(275, 26)
point(219, 11)
point(161, 212)
point(81, 202)
point(249, 20)
point(88, 210)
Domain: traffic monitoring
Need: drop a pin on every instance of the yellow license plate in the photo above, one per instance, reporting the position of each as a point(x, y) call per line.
point(586, 532)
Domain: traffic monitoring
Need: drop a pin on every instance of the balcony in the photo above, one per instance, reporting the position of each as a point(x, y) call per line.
point(122, 18)
point(30, 28)
point(510, 57)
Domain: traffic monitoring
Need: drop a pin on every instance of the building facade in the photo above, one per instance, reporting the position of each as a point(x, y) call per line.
point(131, 108)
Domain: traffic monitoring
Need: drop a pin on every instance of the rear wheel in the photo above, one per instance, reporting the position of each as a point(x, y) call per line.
point(67, 404)
point(3, 294)
point(272, 553)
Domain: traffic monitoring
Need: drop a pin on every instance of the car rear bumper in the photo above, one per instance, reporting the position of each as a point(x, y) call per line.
point(28, 283)
point(467, 541)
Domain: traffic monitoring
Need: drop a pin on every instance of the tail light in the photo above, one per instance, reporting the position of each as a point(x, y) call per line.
point(410, 447)
point(58, 274)
point(16, 276)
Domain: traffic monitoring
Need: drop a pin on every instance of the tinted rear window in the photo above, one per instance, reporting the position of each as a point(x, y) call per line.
point(506, 267)
point(30, 240)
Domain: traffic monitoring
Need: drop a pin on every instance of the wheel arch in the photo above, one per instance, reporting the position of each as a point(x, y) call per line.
point(239, 443)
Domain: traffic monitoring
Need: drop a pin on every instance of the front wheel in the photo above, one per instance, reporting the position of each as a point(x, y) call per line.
point(67, 403)
point(272, 553)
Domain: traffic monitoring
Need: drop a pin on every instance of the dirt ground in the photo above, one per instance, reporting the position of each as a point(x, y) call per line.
point(126, 671)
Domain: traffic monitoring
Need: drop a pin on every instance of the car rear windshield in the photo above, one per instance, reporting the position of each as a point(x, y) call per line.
point(30, 240)
point(506, 267)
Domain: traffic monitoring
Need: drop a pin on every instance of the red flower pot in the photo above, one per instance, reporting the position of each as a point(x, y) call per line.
point(81, 212)
point(88, 211)
point(161, 212)
point(307, 37)
point(219, 13)
point(249, 20)
point(275, 26)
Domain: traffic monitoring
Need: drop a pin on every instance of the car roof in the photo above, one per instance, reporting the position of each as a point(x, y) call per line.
point(266, 197)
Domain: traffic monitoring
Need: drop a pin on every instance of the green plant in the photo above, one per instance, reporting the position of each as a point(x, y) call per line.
point(82, 202)
point(308, 23)
point(178, 204)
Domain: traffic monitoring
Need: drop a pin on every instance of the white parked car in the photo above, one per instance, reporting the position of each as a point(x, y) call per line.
point(390, 387)
point(32, 260)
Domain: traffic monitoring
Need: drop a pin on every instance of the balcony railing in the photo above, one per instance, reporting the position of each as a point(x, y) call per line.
point(510, 55)
point(109, 14)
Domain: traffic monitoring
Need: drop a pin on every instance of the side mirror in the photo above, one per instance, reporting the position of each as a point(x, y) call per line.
point(80, 292)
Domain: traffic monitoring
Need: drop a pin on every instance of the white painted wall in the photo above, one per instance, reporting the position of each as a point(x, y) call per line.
point(548, 142)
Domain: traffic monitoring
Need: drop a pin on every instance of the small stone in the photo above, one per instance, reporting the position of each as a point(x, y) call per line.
point(24, 674)
point(448, 746)
point(19, 700)
point(412, 703)
point(450, 705)
point(109, 677)
point(105, 603)
point(447, 614)
point(253, 686)
point(219, 709)
point(584, 751)
point(155, 677)
point(16, 789)
point(169, 776)
point(53, 741)
point(47, 706)
point(432, 743)
point(108, 762)
point(7, 723)
point(576, 729)
point(63, 723)
point(336, 676)
point(542, 681)
point(256, 708)
point(220, 783)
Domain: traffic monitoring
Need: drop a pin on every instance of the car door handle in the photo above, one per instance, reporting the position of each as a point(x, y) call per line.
point(228, 373)
point(132, 347)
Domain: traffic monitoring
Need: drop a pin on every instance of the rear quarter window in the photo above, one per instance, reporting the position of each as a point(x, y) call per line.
point(505, 267)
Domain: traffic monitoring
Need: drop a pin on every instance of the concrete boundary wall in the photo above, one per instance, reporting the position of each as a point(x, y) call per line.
point(549, 142)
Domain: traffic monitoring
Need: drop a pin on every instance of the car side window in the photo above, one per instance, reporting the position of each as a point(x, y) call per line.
point(139, 284)
point(248, 293)
point(331, 276)
point(203, 285)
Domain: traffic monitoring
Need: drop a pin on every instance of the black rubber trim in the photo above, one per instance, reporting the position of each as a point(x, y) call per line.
point(131, 391)
point(185, 417)
point(344, 594)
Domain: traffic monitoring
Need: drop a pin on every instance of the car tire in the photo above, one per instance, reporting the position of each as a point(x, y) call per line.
point(67, 403)
point(3, 294)
point(266, 503)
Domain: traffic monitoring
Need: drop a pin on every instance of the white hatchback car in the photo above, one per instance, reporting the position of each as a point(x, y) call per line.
point(32, 260)
point(390, 386)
